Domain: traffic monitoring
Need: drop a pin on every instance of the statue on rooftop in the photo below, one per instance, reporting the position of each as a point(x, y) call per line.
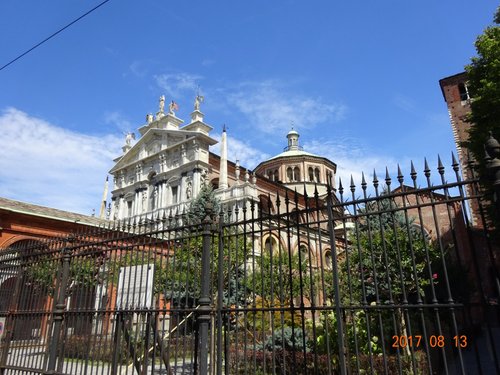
point(129, 137)
point(197, 101)
point(162, 104)
point(172, 107)
point(149, 118)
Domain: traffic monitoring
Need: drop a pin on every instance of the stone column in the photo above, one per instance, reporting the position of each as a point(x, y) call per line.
point(160, 195)
point(223, 161)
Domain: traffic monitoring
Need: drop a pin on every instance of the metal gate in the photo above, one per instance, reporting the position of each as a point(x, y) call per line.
point(384, 277)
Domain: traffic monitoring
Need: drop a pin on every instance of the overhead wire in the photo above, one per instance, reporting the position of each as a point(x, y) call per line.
point(54, 34)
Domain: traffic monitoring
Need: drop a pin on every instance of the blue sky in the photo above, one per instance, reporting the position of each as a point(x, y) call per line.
point(359, 81)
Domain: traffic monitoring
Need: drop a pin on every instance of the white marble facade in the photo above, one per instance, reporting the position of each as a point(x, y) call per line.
point(165, 169)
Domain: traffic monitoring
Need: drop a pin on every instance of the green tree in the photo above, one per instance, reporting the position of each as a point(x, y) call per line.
point(276, 279)
point(200, 206)
point(181, 274)
point(483, 75)
point(389, 257)
point(389, 261)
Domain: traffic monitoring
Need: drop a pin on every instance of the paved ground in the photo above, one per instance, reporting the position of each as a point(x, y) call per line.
point(34, 358)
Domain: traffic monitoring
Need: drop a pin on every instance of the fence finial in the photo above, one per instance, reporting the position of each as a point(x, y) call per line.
point(427, 170)
point(400, 175)
point(454, 163)
point(353, 187)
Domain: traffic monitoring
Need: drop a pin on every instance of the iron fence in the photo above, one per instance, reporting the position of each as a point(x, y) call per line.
point(385, 277)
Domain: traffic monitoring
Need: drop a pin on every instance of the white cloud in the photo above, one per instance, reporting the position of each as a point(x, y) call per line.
point(45, 164)
point(247, 155)
point(174, 85)
point(352, 160)
point(117, 119)
point(272, 108)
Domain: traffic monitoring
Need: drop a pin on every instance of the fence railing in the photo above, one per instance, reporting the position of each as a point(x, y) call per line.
point(384, 277)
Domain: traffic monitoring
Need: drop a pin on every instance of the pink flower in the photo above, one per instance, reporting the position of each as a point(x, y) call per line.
point(435, 276)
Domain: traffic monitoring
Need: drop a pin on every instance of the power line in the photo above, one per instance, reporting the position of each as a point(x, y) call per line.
point(53, 35)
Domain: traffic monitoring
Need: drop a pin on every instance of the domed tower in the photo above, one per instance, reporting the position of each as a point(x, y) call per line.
point(293, 140)
point(298, 169)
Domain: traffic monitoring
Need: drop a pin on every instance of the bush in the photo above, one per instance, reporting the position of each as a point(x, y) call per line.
point(299, 363)
point(392, 364)
point(286, 338)
point(285, 362)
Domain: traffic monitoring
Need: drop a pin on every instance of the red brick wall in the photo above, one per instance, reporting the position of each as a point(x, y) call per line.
point(18, 226)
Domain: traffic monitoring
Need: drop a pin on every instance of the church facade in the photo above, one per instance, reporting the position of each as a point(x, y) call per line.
point(161, 174)
point(165, 169)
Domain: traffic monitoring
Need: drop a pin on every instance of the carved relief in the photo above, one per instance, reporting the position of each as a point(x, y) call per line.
point(162, 162)
point(189, 190)
point(138, 171)
point(203, 176)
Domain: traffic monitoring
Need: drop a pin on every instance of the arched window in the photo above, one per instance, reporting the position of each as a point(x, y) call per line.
point(311, 174)
point(276, 176)
point(329, 178)
point(304, 252)
point(296, 174)
point(305, 258)
point(328, 259)
point(271, 245)
point(289, 174)
point(316, 175)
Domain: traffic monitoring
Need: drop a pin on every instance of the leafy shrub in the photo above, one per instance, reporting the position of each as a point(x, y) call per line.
point(286, 338)
point(288, 362)
point(277, 362)
point(393, 365)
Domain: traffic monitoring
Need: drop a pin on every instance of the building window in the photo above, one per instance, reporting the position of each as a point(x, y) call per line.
point(329, 178)
point(304, 257)
point(316, 175)
point(129, 208)
point(311, 174)
point(296, 174)
point(273, 175)
point(271, 245)
point(464, 92)
point(328, 259)
point(293, 174)
point(304, 252)
point(175, 194)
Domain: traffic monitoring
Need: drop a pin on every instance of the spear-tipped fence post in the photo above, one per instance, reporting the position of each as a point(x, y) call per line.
point(60, 308)
point(336, 286)
point(205, 299)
